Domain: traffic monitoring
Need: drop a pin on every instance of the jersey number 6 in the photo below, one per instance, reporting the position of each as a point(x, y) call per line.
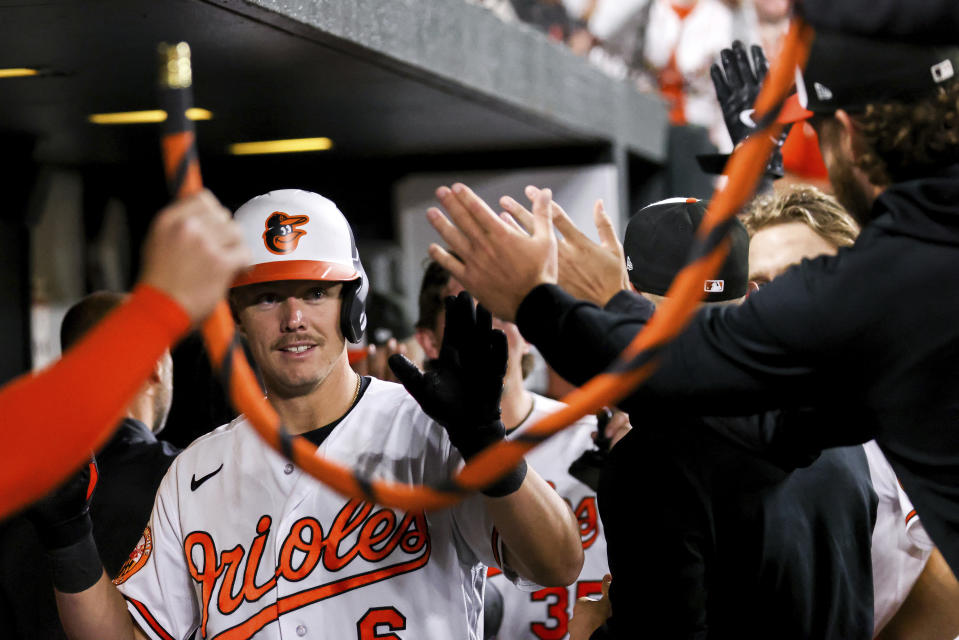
point(367, 628)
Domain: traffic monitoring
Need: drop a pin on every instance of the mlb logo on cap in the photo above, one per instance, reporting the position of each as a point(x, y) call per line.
point(714, 286)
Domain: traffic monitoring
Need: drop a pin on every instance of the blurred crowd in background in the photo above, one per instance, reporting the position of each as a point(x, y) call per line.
point(668, 46)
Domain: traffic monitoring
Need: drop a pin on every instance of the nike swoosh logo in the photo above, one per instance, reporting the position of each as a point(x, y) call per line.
point(195, 484)
point(746, 117)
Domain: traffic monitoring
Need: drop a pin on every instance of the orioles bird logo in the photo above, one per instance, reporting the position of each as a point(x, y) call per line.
point(282, 235)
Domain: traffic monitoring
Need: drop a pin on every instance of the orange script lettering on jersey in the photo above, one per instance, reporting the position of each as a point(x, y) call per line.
point(377, 535)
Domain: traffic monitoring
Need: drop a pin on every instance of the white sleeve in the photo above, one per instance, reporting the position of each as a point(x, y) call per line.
point(155, 581)
point(914, 530)
point(893, 497)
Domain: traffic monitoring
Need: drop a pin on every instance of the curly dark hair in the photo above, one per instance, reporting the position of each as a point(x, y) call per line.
point(907, 140)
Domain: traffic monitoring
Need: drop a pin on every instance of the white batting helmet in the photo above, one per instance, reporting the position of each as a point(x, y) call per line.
point(300, 235)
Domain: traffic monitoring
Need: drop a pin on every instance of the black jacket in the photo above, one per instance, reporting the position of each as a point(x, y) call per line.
point(131, 466)
point(872, 332)
point(706, 540)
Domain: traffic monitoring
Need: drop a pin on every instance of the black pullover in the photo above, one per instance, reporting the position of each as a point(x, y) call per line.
point(872, 332)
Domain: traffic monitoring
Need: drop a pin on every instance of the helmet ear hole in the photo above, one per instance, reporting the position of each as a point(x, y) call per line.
point(353, 310)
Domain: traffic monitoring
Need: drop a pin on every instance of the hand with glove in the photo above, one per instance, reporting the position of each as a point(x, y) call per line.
point(737, 85)
point(462, 390)
point(62, 521)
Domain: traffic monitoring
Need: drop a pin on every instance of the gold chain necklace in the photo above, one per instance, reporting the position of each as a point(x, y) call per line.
point(356, 391)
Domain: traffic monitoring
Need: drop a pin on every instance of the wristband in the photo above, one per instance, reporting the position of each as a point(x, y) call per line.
point(65, 533)
point(509, 483)
point(77, 567)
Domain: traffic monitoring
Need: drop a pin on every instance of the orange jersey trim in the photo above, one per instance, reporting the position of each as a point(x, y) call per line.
point(296, 270)
point(149, 619)
point(54, 419)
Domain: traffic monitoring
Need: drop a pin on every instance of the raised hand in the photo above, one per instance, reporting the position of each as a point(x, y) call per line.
point(192, 253)
point(463, 387)
point(588, 271)
point(737, 84)
point(498, 262)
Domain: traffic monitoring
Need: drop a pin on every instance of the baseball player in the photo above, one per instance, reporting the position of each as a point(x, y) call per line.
point(544, 613)
point(242, 544)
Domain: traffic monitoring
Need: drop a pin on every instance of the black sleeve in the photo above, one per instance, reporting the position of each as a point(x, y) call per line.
point(730, 360)
point(577, 338)
point(794, 438)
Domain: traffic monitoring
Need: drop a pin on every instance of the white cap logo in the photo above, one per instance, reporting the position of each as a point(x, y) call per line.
point(629, 264)
point(714, 286)
point(822, 92)
point(942, 71)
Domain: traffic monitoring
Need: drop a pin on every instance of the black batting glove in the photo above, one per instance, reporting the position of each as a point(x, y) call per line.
point(63, 517)
point(462, 389)
point(737, 85)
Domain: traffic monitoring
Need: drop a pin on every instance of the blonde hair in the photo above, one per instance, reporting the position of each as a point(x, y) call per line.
point(805, 204)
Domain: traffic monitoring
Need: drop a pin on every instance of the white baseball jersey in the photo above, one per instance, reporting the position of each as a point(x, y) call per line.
point(243, 544)
point(545, 613)
point(900, 545)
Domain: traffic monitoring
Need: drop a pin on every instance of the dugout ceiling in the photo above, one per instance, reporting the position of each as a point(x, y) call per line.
point(381, 78)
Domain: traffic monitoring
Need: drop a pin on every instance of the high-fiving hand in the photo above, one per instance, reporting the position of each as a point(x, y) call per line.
point(462, 389)
point(737, 85)
point(588, 271)
point(496, 260)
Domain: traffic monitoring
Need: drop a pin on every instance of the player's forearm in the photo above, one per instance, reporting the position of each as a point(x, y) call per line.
point(98, 613)
point(929, 613)
point(540, 533)
point(100, 381)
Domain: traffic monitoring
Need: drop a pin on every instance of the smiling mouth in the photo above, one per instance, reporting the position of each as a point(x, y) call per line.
point(299, 348)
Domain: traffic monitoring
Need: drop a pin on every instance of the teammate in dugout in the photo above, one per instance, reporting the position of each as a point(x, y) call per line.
point(243, 544)
point(913, 588)
point(193, 235)
point(833, 331)
point(544, 613)
point(827, 586)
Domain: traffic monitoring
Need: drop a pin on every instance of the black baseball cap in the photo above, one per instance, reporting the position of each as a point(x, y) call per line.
point(658, 241)
point(849, 72)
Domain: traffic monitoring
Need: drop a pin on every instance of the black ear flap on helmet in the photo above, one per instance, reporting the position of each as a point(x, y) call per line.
point(353, 310)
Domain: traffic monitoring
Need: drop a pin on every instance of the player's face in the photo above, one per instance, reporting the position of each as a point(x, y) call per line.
point(293, 329)
point(774, 249)
point(850, 186)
